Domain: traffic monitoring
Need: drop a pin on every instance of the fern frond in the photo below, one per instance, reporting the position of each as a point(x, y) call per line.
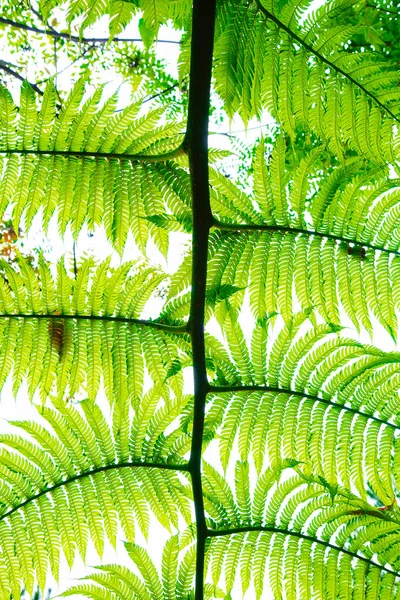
point(65, 334)
point(92, 160)
point(324, 401)
point(75, 460)
point(312, 266)
point(332, 244)
point(120, 13)
point(267, 57)
point(306, 530)
point(310, 416)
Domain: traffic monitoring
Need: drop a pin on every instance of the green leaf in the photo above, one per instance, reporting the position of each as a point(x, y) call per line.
point(146, 34)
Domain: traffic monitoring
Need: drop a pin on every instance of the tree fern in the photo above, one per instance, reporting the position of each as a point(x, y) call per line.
point(276, 466)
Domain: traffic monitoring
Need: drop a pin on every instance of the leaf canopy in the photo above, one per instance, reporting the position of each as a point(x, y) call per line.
point(255, 415)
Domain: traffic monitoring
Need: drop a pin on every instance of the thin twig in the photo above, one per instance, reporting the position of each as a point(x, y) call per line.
point(232, 133)
point(75, 38)
point(382, 9)
point(86, 51)
point(165, 91)
point(74, 257)
point(55, 62)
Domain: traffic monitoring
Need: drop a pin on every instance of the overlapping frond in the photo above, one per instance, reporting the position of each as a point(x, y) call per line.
point(90, 164)
point(64, 334)
point(175, 582)
point(282, 268)
point(324, 240)
point(73, 477)
point(269, 57)
point(308, 399)
point(314, 396)
point(307, 541)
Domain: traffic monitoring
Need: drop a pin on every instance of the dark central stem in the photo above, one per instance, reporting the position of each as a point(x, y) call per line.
point(196, 145)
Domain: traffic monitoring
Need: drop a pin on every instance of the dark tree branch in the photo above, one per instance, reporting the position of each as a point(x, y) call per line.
point(5, 67)
point(196, 146)
point(74, 38)
point(220, 389)
point(84, 474)
point(301, 536)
